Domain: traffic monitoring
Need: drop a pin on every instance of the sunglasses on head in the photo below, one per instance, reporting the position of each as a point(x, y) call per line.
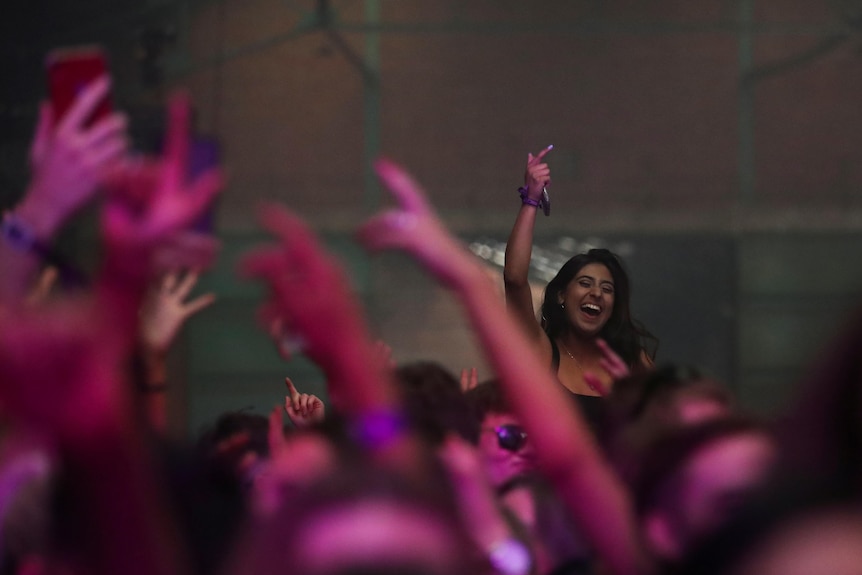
point(510, 436)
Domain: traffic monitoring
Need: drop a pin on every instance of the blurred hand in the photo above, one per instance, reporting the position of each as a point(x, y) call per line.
point(309, 291)
point(413, 227)
point(165, 310)
point(70, 160)
point(152, 205)
point(612, 363)
point(303, 409)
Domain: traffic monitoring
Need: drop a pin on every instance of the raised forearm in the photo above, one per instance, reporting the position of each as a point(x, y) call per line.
point(519, 248)
point(20, 264)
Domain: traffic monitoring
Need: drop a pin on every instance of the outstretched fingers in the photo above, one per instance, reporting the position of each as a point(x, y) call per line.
point(406, 191)
point(84, 106)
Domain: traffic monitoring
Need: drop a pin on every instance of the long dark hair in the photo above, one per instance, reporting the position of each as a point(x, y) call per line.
point(628, 337)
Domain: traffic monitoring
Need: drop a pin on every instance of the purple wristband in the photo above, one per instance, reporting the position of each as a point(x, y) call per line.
point(544, 202)
point(377, 429)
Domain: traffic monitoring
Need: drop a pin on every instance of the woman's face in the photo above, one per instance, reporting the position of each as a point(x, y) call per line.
point(589, 299)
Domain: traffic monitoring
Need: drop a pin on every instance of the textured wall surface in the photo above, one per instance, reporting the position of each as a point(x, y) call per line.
point(719, 139)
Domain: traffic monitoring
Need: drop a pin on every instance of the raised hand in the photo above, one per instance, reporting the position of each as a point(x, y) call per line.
point(413, 227)
point(153, 204)
point(537, 174)
point(311, 295)
point(303, 409)
point(165, 310)
point(612, 363)
point(70, 160)
point(310, 291)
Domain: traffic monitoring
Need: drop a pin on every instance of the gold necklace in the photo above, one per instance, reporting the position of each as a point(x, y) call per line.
point(578, 364)
point(570, 355)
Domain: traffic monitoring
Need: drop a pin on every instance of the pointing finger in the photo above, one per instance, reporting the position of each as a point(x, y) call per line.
point(544, 152)
point(291, 389)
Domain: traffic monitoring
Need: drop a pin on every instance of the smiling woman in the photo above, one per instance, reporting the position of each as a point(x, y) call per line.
point(585, 306)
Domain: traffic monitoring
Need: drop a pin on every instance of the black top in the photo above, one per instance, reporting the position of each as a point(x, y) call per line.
point(591, 406)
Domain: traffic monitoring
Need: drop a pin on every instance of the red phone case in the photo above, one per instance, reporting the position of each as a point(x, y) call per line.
point(69, 71)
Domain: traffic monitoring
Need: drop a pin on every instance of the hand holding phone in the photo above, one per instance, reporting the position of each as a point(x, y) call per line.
point(78, 140)
point(70, 70)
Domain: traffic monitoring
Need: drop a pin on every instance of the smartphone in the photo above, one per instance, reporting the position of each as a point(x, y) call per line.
point(69, 71)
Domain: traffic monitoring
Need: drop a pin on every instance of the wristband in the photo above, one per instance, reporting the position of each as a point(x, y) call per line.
point(510, 556)
point(544, 202)
point(377, 429)
point(21, 238)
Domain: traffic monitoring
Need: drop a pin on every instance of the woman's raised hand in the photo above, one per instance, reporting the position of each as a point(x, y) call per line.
point(537, 174)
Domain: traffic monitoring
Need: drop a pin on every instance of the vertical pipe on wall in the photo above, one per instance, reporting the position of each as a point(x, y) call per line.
point(371, 136)
point(746, 153)
point(371, 103)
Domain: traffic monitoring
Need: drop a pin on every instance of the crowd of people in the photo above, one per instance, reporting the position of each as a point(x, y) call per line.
point(581, 455)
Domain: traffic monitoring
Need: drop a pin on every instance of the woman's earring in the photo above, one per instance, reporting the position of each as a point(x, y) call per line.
point(563, 304)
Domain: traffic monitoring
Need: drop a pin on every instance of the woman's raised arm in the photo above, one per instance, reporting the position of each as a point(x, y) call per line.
point(519, 248)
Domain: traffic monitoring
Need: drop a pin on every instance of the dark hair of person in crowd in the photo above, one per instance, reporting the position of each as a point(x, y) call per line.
point(486, 398)
point(670, 449)
point(690, 479)
point(435, 403)
point(361, 519)
point(669, 394)
point(789, 509)
point(237, 441)
point(627, 336)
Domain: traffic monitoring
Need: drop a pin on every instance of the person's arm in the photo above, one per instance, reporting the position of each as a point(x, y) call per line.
point(68, 160)
point(164, 311)
point(519, 249)
point(311, 294)
point(565, 449)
